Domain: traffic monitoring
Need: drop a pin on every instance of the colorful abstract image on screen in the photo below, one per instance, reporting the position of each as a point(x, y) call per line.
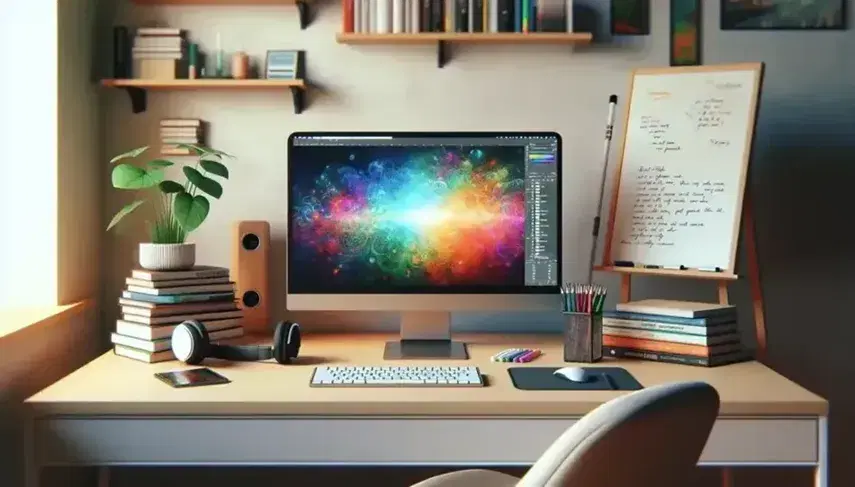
point(369, 217)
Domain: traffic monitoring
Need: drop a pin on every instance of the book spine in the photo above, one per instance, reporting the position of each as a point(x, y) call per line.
point(505, 14)
point(701, 340)
point(384, 16)
point(347, 17)
point(656, 346)
point(518, 8)
point(568, 14)
point(668, 319)
point(672, 358)
point(416, 16)
point(397, 16)
point(425, 16)
point(663, 327)
point(436, 16)
point(461, 16)
point(477, 15)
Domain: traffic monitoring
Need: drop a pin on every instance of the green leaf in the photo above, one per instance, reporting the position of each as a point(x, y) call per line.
point(215, 168)
point(126, 176)
point(170, 187)
point(201, 150)
point(130, 154)
point(190, 211)
point(124, 212)
point(205, 184)
point(159, 163)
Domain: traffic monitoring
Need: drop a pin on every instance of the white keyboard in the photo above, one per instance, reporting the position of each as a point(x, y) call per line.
point(397, 376)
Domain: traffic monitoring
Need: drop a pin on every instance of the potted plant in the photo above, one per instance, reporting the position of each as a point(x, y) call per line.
point(180, 207)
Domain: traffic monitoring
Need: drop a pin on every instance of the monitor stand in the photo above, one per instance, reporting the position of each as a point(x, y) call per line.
point(425, 335)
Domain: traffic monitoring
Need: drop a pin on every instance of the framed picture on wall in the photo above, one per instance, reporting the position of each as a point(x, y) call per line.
point(685, 32)
point(630, 17)
point(281, 64)
point(783, 14)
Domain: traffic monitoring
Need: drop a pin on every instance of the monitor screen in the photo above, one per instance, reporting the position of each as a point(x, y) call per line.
point(431, 213)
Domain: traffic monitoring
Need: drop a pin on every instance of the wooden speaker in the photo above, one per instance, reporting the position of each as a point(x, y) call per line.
point(251, 271)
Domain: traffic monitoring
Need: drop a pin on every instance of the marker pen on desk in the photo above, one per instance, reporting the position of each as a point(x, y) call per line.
point(533, 354)
point(513, 357)
point(501, 356)
point(711, 269)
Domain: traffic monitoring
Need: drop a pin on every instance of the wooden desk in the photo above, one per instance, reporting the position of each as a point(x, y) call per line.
point(112, 412)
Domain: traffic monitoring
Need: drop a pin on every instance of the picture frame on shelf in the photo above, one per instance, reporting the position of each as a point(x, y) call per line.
point(630, 17)
point(282, 64)
point(783, 15)
point(685, 32)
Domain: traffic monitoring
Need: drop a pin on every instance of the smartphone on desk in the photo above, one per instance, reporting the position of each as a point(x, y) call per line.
point(192, 378)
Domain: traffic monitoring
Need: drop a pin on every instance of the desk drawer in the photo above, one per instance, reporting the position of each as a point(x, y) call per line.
point(376, 441)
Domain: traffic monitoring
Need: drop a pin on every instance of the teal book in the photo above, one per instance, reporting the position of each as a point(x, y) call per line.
point(179, 298)
point(705, 321)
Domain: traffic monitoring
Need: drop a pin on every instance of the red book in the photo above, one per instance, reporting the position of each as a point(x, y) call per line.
point(347, 21)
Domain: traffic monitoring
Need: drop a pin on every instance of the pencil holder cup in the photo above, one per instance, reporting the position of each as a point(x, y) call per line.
point(583, 337)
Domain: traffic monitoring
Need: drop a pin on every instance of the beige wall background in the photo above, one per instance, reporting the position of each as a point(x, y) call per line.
point(803, 160)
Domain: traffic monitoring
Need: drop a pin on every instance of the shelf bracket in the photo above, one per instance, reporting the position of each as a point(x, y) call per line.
point(138, 98)
point(441, 54)
point(299, 96)
point(303, 12)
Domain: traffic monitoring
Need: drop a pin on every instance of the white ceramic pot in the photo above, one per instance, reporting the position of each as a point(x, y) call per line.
point(167, 257)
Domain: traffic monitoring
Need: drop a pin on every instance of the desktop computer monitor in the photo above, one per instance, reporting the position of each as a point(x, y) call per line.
point(424, 224)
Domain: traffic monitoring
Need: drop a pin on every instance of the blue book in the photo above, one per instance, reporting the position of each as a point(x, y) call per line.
point(706, 321)
point(178, 298)
point(518, 7)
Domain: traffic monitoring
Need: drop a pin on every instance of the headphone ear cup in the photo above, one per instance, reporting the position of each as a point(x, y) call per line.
point(286, 342)
point(280, 335)
point(199, 341)
point(205, 339)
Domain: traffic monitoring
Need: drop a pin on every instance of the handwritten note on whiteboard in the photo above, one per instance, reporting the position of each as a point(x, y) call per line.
point(684, 165)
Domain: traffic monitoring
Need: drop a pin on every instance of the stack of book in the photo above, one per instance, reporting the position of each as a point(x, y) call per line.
point(179, 131)
point(683, 332)
point(155, 302)
point(399, 16)
point(282, 64)
point(158, 52)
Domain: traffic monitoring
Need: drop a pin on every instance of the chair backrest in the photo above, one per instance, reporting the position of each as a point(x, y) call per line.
point(648, 438)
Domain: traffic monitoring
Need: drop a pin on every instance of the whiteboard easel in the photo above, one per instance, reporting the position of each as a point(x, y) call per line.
point(679, 119)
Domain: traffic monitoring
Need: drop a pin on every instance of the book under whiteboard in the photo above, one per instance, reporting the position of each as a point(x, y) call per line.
point(681, 177)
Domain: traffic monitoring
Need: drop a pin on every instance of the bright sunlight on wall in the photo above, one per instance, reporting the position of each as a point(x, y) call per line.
point(28, 153)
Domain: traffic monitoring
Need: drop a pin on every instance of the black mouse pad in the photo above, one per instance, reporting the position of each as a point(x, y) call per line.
point(599, 379)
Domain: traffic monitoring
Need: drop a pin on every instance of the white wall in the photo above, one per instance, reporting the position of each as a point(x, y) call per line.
point(28, 153)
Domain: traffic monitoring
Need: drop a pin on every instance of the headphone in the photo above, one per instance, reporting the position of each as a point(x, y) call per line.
point(191, 344)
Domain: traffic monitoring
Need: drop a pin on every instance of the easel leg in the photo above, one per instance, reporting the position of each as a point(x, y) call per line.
point(625, 287)
point(754, 278)
point(726, 477)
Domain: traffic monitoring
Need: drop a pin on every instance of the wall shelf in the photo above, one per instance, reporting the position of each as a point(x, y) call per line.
point(443, 39)
point(302, 5)
point(137, 88)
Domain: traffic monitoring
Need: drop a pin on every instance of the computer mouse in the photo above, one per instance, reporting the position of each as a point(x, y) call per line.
point(573, 374)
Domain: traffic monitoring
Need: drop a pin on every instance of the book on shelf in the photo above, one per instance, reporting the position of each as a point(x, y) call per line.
point(678, 309)
point(175, 132)
point(476, 16)
point(155, 302)
point(157, 52)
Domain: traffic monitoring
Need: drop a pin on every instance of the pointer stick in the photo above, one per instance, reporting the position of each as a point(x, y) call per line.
point(608, 145)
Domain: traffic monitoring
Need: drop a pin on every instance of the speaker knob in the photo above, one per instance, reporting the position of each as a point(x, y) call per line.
point(251, 299)
point(250, 241)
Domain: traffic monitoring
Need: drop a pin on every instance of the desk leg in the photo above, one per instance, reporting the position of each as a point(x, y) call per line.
point(103, 476)
point(726, 477)
point(820, 472)
point(31, 466)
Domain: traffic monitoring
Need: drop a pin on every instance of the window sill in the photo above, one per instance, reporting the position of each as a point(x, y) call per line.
point(16, 321)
